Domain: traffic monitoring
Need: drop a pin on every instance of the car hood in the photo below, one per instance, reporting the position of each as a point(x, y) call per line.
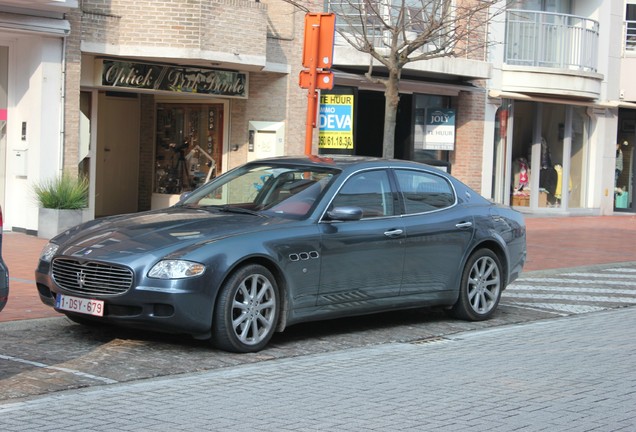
point(162, 231)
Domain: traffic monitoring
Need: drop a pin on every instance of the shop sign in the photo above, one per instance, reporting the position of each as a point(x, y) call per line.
point(176, 79)
point(336, 122)
point(435, 130)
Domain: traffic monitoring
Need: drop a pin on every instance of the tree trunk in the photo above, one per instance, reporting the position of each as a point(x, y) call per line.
point(392, 99)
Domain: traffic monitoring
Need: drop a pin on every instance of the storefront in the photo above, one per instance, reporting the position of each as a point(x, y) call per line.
point(161, 130)
point(352, 121)
point(540, 155)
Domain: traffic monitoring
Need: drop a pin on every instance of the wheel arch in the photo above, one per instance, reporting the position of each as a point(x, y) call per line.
point(276, 271)
point(498, 250)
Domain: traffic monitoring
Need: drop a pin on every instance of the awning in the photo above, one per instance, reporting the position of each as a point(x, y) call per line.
point(406, 86)
point(560, 100)
point(34, 24)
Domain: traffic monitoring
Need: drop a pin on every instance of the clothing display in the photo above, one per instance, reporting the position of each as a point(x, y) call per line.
point(548, 179)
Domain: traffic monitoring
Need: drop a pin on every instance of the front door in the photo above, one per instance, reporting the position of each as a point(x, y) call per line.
point(362, 260)
point(117, 165)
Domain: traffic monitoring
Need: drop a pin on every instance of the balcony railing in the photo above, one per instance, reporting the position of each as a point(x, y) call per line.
point(544, 39)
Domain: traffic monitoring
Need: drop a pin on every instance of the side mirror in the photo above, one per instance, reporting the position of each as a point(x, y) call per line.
point(345, 214)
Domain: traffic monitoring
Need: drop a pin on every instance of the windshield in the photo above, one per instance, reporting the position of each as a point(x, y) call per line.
point(286, 190)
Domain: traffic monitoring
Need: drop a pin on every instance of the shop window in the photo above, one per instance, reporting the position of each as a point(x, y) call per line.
point(189, 146)
point(575, 186)
point(421, 152)
point(551, 155)
point(551, 164)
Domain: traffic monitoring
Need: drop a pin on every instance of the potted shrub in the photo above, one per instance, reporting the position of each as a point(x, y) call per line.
point(63, 201)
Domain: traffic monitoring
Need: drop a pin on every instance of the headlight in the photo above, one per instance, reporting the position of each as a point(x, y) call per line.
point(48, 251)
point(176, 269)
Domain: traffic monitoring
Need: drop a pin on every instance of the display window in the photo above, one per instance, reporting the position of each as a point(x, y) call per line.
point(188, 147)
point(548, 155)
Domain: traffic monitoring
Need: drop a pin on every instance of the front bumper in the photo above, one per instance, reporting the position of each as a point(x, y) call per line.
point(182, 306)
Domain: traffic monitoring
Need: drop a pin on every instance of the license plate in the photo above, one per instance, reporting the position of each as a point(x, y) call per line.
point(80, 305)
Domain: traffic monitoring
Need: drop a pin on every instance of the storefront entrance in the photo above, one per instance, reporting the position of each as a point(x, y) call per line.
point(117, 162)
point(173, 148)
point(540, 155)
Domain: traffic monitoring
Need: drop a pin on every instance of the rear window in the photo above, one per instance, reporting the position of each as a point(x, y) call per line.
point(423, 192)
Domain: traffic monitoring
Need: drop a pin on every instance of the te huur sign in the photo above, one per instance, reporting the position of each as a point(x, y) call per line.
point(170, 78)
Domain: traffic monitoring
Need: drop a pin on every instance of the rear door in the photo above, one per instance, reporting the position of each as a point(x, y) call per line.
point(438, 232)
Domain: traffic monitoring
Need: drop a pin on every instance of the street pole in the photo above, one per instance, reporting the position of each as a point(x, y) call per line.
point(312, 94)
point(317, 59)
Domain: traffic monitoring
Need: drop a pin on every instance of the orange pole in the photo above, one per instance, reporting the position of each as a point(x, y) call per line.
point(312, 95)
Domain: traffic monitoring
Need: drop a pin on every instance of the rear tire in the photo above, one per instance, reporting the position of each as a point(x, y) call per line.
point(246, 312)
point(481, 286)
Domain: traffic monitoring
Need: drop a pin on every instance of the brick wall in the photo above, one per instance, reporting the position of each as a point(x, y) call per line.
point(467, 158)
point(200, 25)
point(473, 22)
point(72, 94)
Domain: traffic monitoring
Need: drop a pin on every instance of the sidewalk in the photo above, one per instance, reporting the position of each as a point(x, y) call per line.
point(556, 242)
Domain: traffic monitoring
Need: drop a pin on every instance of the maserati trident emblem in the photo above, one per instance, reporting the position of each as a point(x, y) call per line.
point(81, 278)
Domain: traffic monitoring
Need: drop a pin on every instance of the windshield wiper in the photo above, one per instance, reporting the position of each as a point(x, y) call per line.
point(240, 210)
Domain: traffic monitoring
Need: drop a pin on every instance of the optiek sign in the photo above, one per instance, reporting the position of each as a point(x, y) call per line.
point(440, 129)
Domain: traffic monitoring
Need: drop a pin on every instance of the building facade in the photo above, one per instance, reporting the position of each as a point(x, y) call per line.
point(557, 108)
point(149, 99)
point(157, 97)
point(33, 37)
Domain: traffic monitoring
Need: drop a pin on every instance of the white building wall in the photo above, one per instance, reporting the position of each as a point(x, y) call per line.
point(611, 15)
point(497, 33)
point(34, 97)
point(604, 116)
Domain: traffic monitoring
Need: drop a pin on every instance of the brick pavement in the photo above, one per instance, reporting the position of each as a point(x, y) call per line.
point(555, 242)
point(568, 374)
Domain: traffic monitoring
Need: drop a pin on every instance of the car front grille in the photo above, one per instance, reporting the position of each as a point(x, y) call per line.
point(91, 278)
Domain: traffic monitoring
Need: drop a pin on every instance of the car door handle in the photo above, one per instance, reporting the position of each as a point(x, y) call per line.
point(462, 225)
point(394, 233)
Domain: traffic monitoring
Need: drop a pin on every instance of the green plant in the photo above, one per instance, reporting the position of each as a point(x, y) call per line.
point(65, 192)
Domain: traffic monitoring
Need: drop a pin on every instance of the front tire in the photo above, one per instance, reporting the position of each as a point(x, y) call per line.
point(246, 312)
point(481, 286)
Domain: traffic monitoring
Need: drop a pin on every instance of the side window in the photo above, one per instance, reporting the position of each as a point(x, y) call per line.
point(423, 192)
point(369, 190)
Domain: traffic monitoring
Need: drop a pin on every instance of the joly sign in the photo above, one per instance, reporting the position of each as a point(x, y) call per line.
point(175, 79)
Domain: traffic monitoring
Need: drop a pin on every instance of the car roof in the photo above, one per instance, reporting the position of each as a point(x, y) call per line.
point(341, 162)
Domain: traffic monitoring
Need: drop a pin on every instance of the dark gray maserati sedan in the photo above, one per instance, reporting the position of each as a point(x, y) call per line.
point(282, 241)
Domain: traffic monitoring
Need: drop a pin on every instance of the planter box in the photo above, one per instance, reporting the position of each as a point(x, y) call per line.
point(52, 222)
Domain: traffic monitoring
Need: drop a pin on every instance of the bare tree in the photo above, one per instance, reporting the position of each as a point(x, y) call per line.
point(395, 33)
